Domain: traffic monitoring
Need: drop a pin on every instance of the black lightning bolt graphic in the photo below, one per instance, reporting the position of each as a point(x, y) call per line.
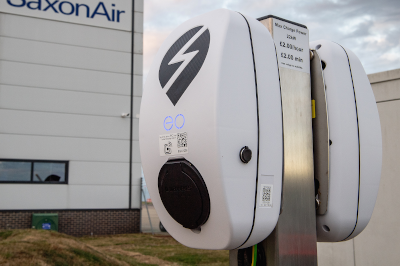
point(193, 58)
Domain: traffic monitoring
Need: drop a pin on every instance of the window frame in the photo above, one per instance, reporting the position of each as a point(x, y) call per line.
point(32, 171)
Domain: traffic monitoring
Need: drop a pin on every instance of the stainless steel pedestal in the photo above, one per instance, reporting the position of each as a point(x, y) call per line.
point(294, 240)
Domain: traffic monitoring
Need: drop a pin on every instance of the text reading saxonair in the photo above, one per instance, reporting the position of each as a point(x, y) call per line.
point(71, 9)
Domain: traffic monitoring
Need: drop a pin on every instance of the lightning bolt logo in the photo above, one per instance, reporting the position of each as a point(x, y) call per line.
point(183, 61)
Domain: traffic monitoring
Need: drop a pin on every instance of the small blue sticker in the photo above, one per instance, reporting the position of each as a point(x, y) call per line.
point(46, 226)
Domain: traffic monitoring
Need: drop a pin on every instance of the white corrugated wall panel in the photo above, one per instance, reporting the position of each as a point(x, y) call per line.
point(138, 46)
point(63, 148)
point(135, 152)
point(63, 87)
point(138, 64)
point(71, 102)
point(43, 53)
point(103, 197)
point(63, 125)
point(50, 77)
point(98, 173)
point(64, 33)
point(136, 105)
point(135, 129)
point(63, 197)
point(136, 172)
point(136, 199)
point(33, 196)
point(137, 85)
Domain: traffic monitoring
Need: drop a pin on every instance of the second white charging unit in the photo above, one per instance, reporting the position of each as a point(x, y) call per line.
point(226, 134)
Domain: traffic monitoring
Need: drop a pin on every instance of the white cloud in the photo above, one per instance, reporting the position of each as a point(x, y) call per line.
point(371, 29)
point(152, 40)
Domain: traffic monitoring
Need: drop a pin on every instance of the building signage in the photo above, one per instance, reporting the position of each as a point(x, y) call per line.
point(114, 14)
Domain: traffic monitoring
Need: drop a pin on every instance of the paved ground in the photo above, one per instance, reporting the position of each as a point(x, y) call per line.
point(155, 221)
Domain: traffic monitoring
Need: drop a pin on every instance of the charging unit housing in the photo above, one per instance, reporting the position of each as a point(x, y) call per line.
point(355, 144)
point(211, 132)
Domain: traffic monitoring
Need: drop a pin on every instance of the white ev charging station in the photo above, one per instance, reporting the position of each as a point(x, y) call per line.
point(226, 138)
point(211, 132)
point(353, 141)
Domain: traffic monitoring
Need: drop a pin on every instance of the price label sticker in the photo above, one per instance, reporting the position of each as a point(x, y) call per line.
point(291, 43)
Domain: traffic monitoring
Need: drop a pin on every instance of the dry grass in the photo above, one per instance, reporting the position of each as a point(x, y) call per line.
point(162, 247)
point(38, 247)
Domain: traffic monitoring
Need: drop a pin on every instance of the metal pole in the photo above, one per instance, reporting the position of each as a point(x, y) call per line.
point(148, 214)
point(294, 240)
point(140, 200)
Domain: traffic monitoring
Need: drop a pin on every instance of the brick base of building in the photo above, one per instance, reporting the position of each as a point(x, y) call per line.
point(79, 222)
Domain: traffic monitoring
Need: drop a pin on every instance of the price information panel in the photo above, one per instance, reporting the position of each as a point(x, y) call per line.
point(291, 45)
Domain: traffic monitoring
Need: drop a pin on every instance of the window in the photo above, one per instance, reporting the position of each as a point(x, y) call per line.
point(33, 171)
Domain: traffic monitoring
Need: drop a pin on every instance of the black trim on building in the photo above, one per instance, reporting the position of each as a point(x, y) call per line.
point(131, 111)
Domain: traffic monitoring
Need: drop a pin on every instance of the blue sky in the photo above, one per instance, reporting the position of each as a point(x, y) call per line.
point(371, 29)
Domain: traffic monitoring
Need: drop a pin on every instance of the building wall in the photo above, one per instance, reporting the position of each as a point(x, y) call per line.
point(379, 243)
point(63, 88)
point(137, 97)
point(80, 222)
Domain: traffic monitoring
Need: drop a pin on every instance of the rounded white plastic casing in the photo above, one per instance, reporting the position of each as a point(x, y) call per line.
point(232, 102)
point(355, 153)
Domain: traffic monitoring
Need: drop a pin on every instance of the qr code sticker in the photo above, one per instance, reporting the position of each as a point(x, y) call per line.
point(182, 140)
point(266, 196)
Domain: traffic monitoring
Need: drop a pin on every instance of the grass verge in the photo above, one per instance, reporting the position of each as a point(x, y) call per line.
point(162, 247)
point(39, 247)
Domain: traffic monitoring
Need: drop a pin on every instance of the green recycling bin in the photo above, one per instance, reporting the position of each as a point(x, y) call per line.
point(45, 221)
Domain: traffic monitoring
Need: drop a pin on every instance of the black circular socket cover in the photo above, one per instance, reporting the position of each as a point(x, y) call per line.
point(184, 193)
point(245, 154)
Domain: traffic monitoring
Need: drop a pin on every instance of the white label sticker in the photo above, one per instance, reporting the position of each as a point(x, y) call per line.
point(266, 195)
point(291, 43)
point(174, 143)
